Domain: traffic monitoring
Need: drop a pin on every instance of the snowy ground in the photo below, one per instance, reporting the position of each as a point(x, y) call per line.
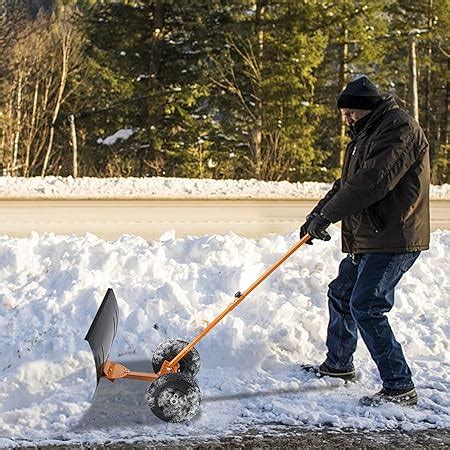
point(51, 287)
point(102, 188)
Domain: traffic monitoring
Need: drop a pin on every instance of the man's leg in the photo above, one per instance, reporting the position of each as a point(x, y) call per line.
point(342, 330)
point(372, 297)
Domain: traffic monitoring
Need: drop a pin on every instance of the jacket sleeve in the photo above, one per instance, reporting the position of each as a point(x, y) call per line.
point(329, 195)
point(392, 154)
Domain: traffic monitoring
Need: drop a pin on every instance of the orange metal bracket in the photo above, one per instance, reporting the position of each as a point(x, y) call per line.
point(112, 371)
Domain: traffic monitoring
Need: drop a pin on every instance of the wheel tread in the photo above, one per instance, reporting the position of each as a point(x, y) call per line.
point(174, 385)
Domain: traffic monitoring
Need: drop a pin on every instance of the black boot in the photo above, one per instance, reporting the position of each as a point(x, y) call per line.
point(398, 396)
point(325, 371)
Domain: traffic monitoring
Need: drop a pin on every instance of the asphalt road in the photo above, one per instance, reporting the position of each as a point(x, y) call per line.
point(110, 219)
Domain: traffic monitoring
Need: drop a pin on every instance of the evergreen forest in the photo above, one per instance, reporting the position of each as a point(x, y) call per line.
point(210, 88)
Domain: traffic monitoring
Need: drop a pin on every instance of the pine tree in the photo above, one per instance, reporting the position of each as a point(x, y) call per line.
point(264, 88)
point(431, 20)
point(220, 88)
point(356, 45)
point(153, 54)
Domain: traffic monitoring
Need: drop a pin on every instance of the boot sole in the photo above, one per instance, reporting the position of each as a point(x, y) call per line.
point(346, 376)
point(407, 400)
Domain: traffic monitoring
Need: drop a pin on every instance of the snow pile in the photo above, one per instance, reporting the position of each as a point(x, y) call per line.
point(159, 187)
point(51, 287)
point(122, 135)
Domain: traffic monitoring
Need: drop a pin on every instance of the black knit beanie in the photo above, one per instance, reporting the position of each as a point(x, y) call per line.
point(360, 94)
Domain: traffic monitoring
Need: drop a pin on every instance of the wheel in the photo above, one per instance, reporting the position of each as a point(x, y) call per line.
point(167, 350)
point(174, 397)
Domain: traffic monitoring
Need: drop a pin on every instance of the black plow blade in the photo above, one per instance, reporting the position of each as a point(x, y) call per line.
point(103, 330)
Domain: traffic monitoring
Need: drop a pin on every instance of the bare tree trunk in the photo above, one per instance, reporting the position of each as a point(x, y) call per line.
point(446, 127)
point(200, 160)
point(444, 147)
point(342, 83)
point(257, 130)
point(428, 76)
point(9, 136)
point(18, 125)
point(156, 161)
point(73, 134)
point(65, 44)
point(3, 145)
point(446, 130)
point(43, 108)
point(440, 174)
point(157, 39)
point(412, 63)
point(49, 149)
point(26, 169)
point(46, 94)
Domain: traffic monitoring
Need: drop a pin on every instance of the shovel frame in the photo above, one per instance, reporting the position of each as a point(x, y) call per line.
point(113, 371)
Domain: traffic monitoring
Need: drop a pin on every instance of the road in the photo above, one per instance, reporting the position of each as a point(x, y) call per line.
point(110, 219)
point(286, 437)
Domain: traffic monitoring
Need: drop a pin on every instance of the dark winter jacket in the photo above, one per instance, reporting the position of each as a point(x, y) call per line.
point(382, 196)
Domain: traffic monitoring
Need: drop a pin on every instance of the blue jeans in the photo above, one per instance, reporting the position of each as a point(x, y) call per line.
point(358, 299)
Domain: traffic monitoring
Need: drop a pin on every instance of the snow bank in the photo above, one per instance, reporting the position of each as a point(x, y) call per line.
point(157, 187)
point(51, 286)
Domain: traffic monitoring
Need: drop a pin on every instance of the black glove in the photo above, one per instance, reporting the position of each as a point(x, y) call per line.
point(304, 227)
point(317, 227)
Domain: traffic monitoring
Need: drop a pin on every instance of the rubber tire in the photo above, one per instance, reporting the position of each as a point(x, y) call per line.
point(166, 351)
point(185, 404)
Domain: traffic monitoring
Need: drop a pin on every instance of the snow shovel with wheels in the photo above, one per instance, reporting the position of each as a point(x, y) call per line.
point(173, 394)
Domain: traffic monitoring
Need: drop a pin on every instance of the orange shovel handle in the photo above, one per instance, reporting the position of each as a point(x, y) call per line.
point(238, 300)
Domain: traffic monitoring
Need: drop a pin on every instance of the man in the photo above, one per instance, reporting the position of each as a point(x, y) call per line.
point(382, 200)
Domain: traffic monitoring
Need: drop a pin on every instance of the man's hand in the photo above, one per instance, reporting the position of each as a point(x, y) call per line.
point(304, 227)
point(317, 227)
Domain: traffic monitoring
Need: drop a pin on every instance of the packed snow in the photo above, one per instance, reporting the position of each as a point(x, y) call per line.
point(160, 187)
point(52, 285)
point(120, 135)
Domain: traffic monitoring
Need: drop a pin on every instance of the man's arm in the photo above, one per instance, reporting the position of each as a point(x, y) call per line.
point(391, 157)
point(329, 195)
point(316, 211)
